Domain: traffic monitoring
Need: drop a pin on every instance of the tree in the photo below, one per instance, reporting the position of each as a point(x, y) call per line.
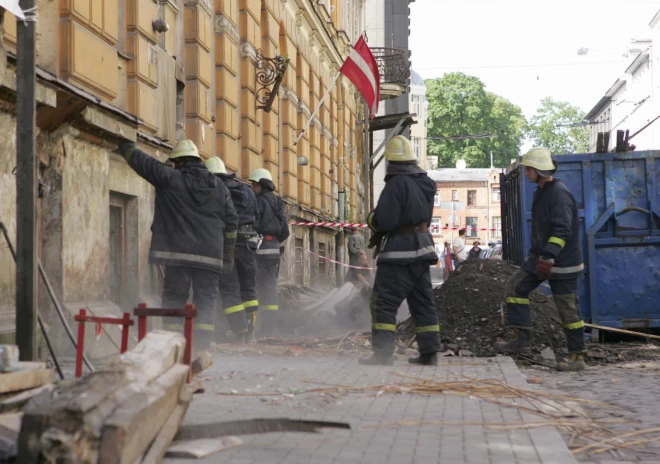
point(557, 126)
point(459, 105)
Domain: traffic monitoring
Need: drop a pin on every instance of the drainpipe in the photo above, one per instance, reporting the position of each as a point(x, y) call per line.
point(341, 187)
point(26, 188)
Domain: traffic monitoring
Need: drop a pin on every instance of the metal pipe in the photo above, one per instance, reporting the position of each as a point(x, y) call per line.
point(39, 318)
point(26, 187)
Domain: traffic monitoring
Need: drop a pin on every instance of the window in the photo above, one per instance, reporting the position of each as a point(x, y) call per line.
point(472, 197)
point(471, 225)
point(496, 194)
point(417, 106)
point(436, 225)
point(416, 146)
point(436, 200)
point(497, 226)
point(454, 195)
point(322, 263)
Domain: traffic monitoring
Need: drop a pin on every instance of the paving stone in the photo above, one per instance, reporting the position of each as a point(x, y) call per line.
point(400, 444)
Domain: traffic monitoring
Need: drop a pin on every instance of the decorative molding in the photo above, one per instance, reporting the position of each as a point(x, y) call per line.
point(334, 141)
point(247, 51)
point(224, 25)
point(299, 17)
point(313, 41)
point(205, 5)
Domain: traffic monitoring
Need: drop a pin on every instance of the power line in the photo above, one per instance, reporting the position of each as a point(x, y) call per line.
point(541, 65)
point(463, 137)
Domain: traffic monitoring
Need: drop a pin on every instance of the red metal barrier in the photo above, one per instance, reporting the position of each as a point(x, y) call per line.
point(188, 313)
point(83, 318)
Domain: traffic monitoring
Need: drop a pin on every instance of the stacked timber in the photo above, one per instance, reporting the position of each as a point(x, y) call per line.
point(126, 412)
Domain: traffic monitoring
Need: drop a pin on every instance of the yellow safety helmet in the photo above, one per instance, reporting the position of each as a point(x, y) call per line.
point(399, 149)
point(185, 148)
point(215, 165)
point(259, 174)
point(541, 160)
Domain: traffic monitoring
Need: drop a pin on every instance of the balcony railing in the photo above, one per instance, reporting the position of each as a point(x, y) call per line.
point(393, 65)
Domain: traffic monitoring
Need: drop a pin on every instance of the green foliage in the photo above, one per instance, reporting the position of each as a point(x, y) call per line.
point(459, 105)
point(548, 128)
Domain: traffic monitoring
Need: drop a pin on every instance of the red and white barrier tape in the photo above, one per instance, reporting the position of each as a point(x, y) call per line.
point(437, 228)
point(337, 262)
point(327, 224)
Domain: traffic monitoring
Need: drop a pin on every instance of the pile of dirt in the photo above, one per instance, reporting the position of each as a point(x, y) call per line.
point(472, 312)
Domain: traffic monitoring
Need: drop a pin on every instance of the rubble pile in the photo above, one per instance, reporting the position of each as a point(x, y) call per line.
point(472, 312)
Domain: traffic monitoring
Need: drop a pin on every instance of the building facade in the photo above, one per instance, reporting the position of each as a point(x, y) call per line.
point(466, 199)
point(418, 131)
point(105, 71)
point(388, 27)
point(628, 104)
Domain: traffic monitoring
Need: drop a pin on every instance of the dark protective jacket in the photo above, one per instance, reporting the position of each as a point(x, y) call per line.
point(474, 254)
point(243, 198)
point(272, 224)
point(406, 200)
point(193, 213)
point(556, 231)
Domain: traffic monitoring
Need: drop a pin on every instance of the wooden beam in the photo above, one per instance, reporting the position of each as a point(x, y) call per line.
point(163, 440)
point(132, 427)
point(31, 375)
point(76, 412)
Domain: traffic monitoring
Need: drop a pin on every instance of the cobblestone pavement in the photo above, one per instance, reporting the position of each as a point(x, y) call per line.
point(385, 444)
point(633, 387)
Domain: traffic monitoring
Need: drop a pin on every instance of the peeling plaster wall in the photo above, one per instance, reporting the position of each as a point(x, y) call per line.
point(8, 216)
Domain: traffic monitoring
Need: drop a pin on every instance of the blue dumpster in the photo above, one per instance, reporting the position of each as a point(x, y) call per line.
point(618, 199)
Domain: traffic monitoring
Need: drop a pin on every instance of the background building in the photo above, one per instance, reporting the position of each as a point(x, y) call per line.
point(388, 30)
point(104, 71)
point(466, 198)
point(628, 104)
point(418, 131)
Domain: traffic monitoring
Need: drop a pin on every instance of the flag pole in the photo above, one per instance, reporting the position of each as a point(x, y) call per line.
point(318, 107)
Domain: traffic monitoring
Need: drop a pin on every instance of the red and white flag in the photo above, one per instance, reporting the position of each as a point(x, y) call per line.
point(362, 70)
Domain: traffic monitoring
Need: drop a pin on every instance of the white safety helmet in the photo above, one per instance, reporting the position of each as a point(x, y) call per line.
point(215, 165)
point(185, 148)
point(259, 174)
point(541, 160)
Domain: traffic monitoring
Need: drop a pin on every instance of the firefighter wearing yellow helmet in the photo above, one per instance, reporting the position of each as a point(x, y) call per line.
point(400, 224)
point(273, 228)
point(555, 255)
point(239, 288)
point(194, 222)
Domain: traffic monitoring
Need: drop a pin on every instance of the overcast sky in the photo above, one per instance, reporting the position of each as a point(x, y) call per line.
point(525, 50)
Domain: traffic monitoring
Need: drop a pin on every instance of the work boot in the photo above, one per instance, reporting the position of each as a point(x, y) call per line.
point(519, 345)
point(425, 359)
point(249, 339)
point(251, 323)
point(377, 359)
point(575, 363)
point(239, 339)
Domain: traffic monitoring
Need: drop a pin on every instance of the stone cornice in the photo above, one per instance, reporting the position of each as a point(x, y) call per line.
point(247, 51)
point(224, 25)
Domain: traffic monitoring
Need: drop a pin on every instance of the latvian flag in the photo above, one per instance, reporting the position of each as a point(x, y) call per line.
point(362, 70)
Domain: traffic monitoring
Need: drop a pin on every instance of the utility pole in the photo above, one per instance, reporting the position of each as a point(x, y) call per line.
point(26, 187)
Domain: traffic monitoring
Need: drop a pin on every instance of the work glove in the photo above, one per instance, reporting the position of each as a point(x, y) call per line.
point(126, 148)
point(544, 268)
point(376, 241)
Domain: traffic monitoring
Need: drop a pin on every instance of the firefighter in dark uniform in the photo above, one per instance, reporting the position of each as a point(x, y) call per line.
point(238, 289)
point(193, 231)
point(556, 256)
point(273, 228)
point(400, 224)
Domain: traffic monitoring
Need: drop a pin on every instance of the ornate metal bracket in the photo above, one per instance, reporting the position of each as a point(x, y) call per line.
point(269, 71)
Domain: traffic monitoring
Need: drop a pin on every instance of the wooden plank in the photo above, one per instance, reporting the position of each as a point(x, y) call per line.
point(132, 427)
point(201, 363)
point(199, 449)
point(10, 425)
point(16, 401)
point(629, 332)
point(32, 375)
point(163, 440)
point(77, 411)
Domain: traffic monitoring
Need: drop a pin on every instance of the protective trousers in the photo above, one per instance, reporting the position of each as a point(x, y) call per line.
point(267, 269)
point(564, 293)
point(176, 291)
point(238, 289)
point(393, 284)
